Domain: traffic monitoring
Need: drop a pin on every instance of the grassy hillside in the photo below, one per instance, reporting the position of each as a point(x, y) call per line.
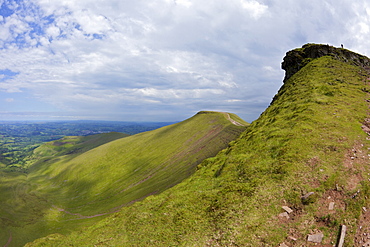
point(21, 204)
point(74, 184)
point(71, 145)
point(307, 151)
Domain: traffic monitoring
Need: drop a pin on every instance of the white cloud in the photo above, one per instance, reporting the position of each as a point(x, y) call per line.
point(53, 31)
point(363, 28)
point(170, 94)
point(185, 3)
point(182, 55)
point(255, 8)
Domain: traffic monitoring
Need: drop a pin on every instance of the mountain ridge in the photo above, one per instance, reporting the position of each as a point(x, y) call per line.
point(77, 181)
point(306, 152)
point(296, 59)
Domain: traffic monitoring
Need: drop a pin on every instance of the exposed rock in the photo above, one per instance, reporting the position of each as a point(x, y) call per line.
point(356, 194)
point(298, 58)
point(337, 188)
point(292, 238)
point(307, 195)
point(331, 206)
point(284, 215)
point(342, 236)
point(287, 209)
point(316, 238)
point(283, 245)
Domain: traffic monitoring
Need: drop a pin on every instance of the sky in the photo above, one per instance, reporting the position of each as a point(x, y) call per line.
point(159, 60)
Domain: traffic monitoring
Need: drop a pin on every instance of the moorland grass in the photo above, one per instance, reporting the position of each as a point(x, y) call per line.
point(79, 184)
point(22, 205)
point(300, 144)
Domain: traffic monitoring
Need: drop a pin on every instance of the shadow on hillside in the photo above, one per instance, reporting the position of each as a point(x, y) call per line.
point(21, 210)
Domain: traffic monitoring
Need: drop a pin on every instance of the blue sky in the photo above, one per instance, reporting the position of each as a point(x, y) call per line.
point(159, 60)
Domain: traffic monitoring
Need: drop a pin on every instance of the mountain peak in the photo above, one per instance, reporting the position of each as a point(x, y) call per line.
point(298, 58)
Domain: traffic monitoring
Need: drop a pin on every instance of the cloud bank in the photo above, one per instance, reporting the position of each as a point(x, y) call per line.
point(160, 60)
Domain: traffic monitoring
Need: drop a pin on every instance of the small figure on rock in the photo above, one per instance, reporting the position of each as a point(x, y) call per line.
point(341, 45)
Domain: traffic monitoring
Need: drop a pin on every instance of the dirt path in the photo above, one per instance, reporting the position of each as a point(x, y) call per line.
point(9, 240)
point(80, 216)
point(113, 210)
point(232, 121)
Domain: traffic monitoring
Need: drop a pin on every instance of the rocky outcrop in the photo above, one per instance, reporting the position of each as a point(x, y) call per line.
point(298, 58)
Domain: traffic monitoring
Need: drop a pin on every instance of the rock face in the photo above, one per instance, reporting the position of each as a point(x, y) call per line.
point(298, 58)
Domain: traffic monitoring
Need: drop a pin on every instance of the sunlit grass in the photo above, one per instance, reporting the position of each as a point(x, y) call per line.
point(72, 184)
point(298, 145)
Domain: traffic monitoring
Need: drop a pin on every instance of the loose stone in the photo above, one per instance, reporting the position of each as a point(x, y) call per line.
point(307, 195)
point(284, 215)
point(316, 238)
point(287, 209)
point(283, 245)
point(292, 238)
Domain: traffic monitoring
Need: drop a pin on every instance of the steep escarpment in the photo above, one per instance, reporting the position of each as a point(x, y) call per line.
point(298, 58)
point(294, 177)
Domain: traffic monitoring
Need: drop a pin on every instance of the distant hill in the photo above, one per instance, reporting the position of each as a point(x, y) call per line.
point(19, 138)
point(296, 175)
point(72, 145)
point(76, 181)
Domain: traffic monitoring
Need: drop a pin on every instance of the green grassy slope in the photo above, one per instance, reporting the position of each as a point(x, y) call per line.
point(76, 185)
point(21, 204)
point(310, 139)
point(71, 146)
